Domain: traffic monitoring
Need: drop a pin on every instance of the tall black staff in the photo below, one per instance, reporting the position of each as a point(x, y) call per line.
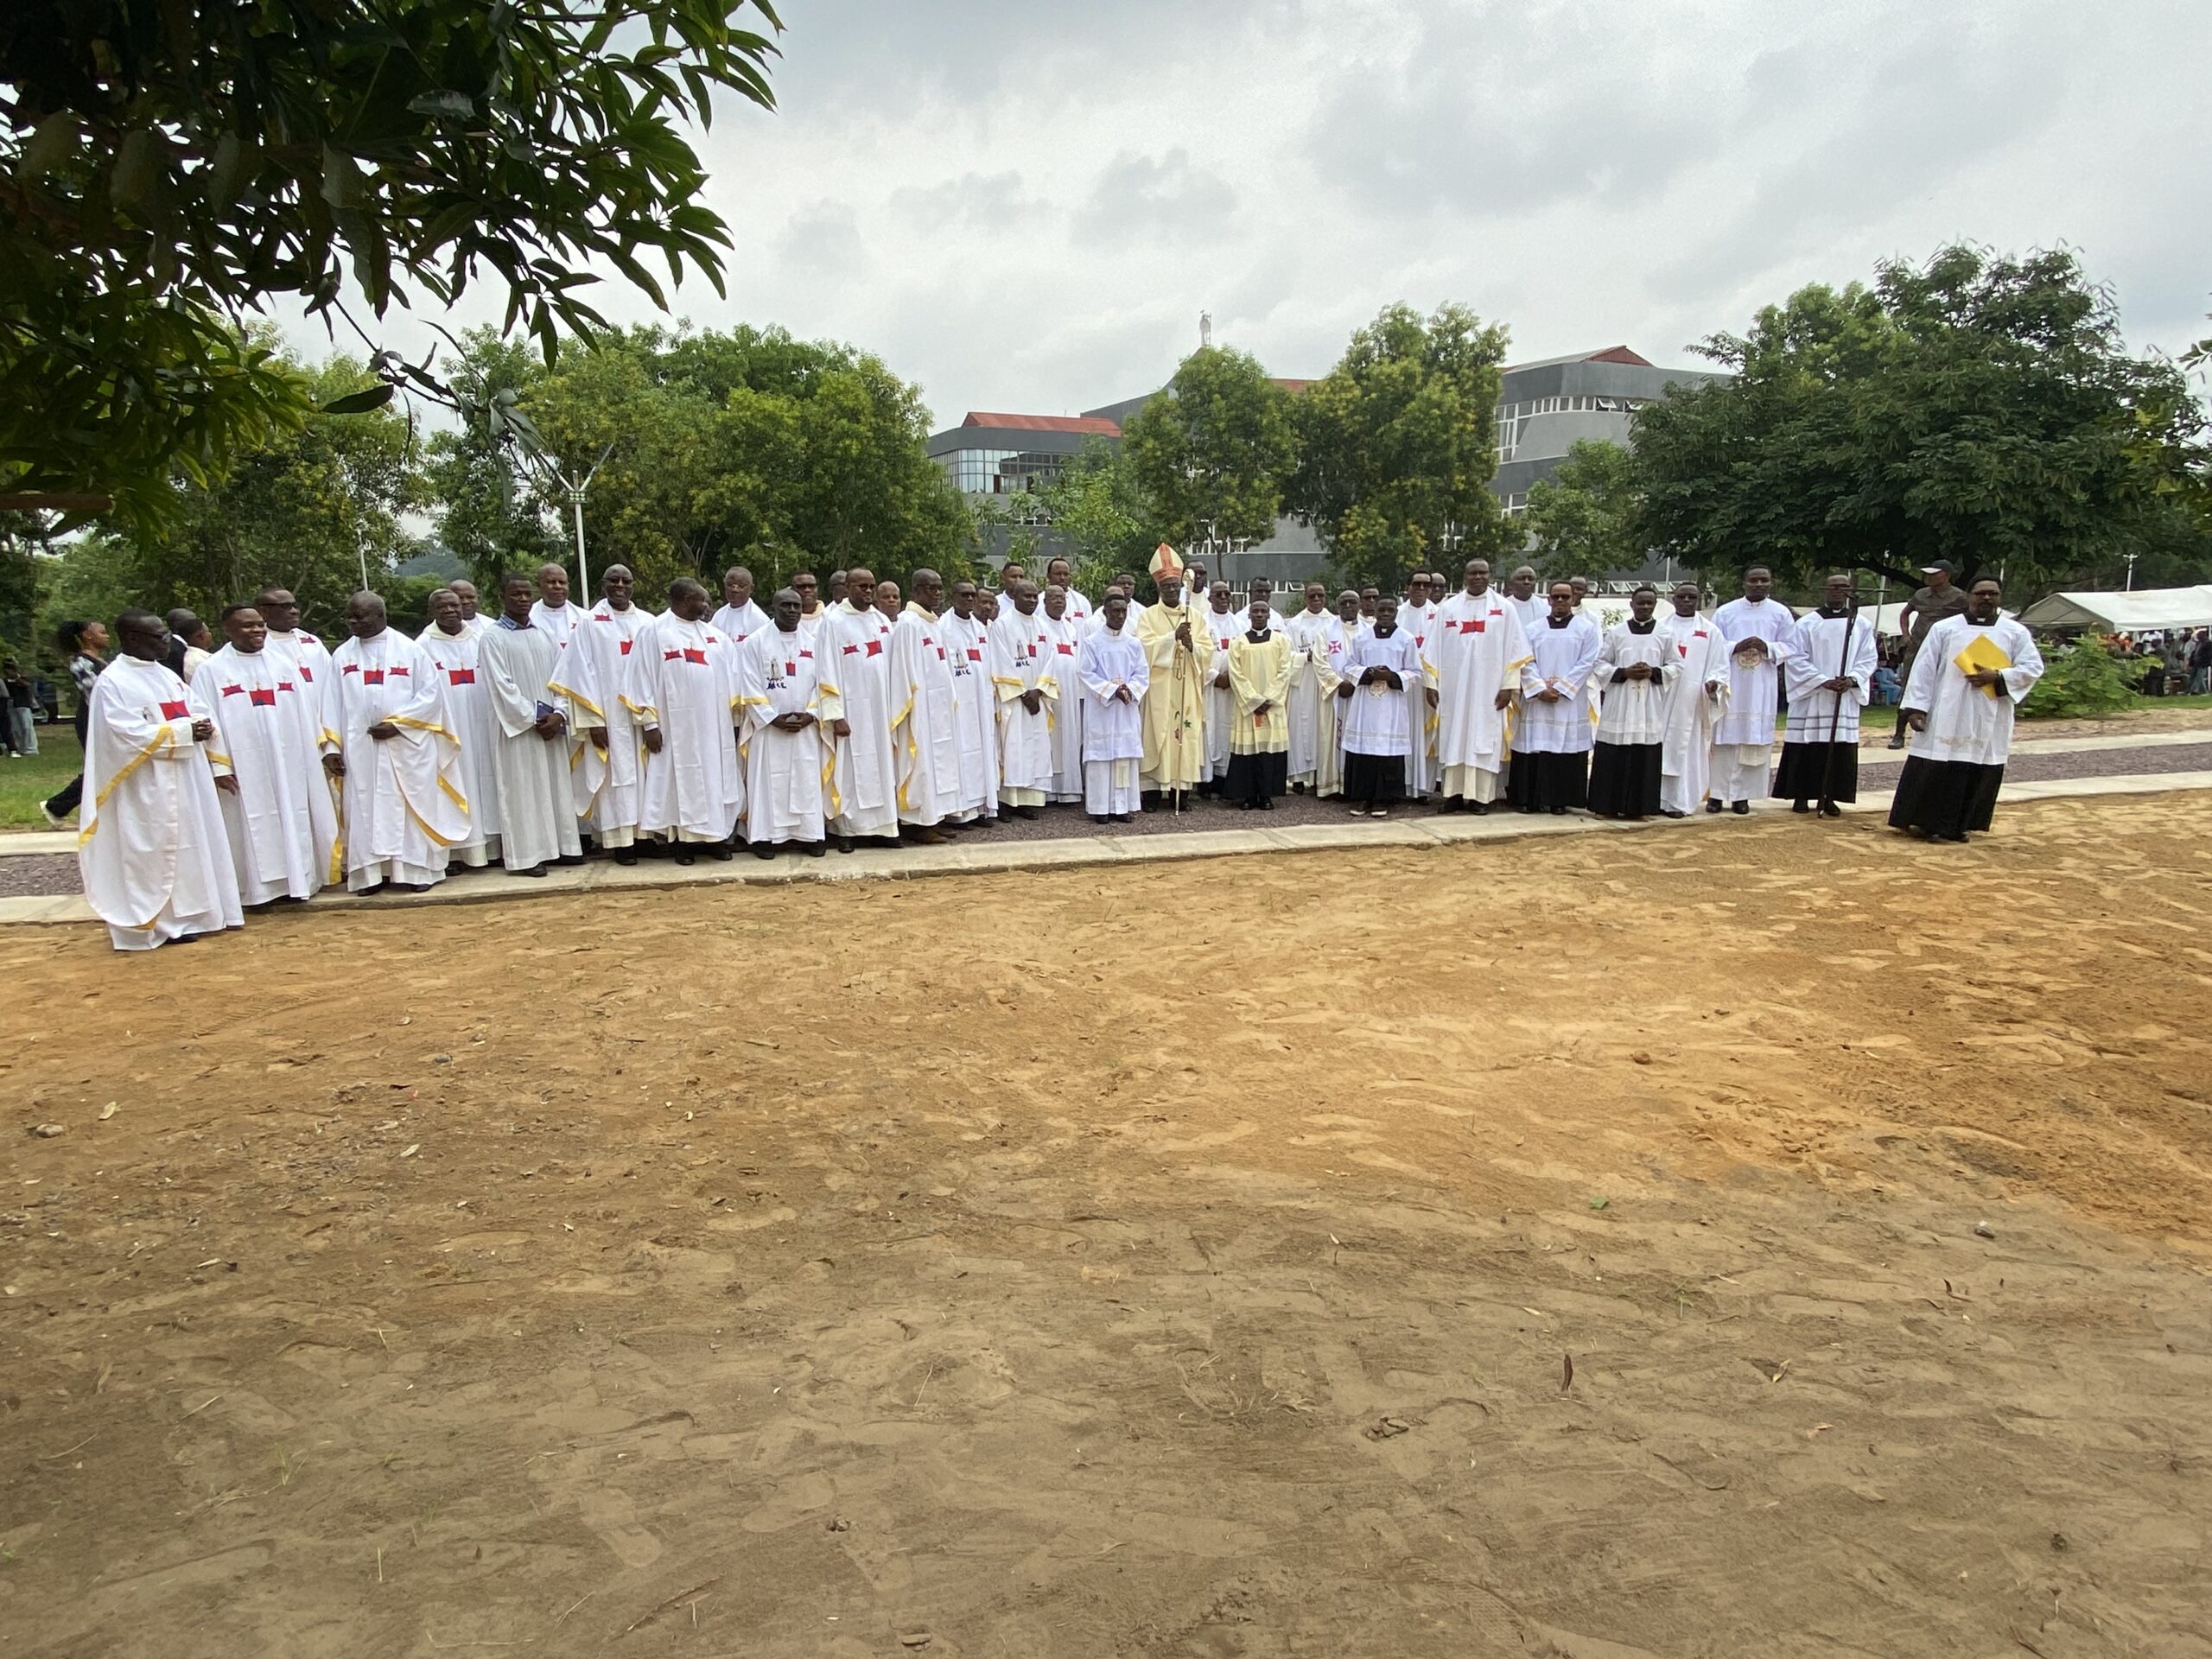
point(1829, 808)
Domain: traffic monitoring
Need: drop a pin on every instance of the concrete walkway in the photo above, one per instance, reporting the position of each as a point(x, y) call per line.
point(495, 886)
point(23, 844)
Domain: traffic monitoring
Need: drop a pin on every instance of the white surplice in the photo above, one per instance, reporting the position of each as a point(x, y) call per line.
point(517, 669)
point(1418, 622)
point(1377, 718)
point(560, 624)
point(310, 664)
point(788, 774)
point(468, 710)
point(685, 680)
point(1475, 650)
point(1067, 714)
point(856, 646)
point(402, 806)
point(1965, 722)
point(1223, 629)
point(1562, 659)
point(975, 716)
point(1696, 698)
point(926, 727)
point(1019, 653)
point(1113, 730)
point(1633, 711)
point(152, 852)
point(737, 623)
point(1318, 640)
point(594, 677)
point(1817, 653)
point(281, 821)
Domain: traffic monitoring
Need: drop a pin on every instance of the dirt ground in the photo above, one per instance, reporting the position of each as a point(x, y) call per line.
point(1767, 1239)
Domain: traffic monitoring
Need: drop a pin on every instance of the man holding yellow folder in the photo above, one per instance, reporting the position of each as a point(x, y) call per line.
point(1971, 673)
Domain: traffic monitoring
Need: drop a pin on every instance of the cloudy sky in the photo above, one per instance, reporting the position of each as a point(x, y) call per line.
point(1026, 206)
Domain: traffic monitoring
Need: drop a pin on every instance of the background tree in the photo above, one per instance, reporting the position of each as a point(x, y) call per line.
point(305, 510)
point(1215, 449)
point(487, 514)
point(1584, 518)
point(1102, 518)
point(171, 165)
point(1399, 442)
point(1979, 408)
point(746, 445)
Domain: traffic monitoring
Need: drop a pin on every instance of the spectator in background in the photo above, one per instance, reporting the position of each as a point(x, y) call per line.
point(2200, 668)
point(191, 643)
point(21, 707)
point(86, 644)
point(1941, 597)
point(1886, 686)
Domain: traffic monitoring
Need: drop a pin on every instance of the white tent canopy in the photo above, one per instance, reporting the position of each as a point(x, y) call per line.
point(2146, 608)
point(1887, 619)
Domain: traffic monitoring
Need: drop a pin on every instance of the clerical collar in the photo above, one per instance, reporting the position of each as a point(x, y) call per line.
point(1978, 623)
point(1831, 612)
point(1257, 636)
point(1383, 632)
point(1560, 621)
point(1635, 627)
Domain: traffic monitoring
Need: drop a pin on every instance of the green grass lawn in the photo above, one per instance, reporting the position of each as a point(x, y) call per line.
point(25, 783)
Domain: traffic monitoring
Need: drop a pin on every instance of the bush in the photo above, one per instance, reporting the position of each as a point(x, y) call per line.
point(2081, 678)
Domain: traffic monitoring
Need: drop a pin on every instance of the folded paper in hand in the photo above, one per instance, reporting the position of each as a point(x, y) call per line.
point(1982, 651)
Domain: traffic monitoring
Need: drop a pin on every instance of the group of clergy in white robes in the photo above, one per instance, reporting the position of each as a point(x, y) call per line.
point(284, 766)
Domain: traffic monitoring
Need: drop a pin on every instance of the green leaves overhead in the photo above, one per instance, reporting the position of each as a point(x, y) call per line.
point(208, 155)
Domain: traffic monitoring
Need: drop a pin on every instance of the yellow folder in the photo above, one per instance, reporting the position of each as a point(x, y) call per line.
point(1982, 651)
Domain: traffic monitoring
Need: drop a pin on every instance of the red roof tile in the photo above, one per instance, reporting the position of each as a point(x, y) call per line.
point(1104, 429)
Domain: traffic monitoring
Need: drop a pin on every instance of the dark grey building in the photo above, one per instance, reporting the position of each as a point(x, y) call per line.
point(1010, 455)
point(1543, 409)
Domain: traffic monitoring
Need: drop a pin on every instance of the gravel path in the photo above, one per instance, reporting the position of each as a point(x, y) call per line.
point(2026, 766)
point(1877, 769)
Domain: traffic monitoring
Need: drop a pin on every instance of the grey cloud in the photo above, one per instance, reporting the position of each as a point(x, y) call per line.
point(1509, 109)
point(1871, 139)
point(823, 239)
point(1145, 198)
point(987, 202)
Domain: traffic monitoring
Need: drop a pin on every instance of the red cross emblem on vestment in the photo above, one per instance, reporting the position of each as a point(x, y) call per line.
point(693, 654)
point(627, 643)
point(370, 675)
point(262, 697)
point(173, 711)
point(461, 676)
point(234, 690)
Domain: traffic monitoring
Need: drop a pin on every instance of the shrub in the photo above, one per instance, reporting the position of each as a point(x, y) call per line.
point(2081, 678)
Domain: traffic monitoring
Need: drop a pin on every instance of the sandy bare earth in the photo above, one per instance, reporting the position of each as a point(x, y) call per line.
point(1185, 1262)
